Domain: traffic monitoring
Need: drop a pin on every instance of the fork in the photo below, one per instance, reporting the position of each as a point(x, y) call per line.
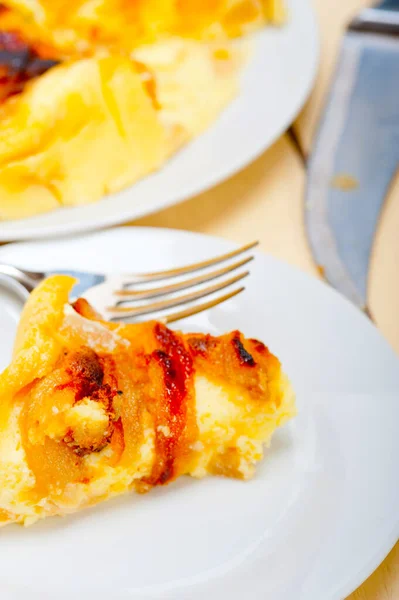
point(133, 296)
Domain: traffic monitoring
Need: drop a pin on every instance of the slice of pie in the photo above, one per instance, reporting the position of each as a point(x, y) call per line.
point(91, 409)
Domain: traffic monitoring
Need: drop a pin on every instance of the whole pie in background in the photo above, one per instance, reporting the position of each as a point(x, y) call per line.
point(98, 94)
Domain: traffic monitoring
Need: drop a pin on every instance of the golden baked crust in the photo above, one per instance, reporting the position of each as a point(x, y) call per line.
point(91, 409)
point(82, 26)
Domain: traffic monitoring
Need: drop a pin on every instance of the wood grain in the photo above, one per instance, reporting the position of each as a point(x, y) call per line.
point(384, 270)
point(264, 202)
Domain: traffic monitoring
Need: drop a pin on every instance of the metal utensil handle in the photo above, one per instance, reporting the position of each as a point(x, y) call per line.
point(384, 18)
point(389, 5)
point(26, 278)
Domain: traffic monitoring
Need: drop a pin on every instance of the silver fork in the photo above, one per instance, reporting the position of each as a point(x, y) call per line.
point(118, 297)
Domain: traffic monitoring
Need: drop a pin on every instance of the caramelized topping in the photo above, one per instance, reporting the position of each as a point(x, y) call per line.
point(259, 346)
point(19, 63)
point(201, 345)
point(225, 358)
point(244, 357)
point(94, 378)
point(86, 371)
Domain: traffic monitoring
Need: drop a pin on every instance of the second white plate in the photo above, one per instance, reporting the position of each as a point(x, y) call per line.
point(274, 87)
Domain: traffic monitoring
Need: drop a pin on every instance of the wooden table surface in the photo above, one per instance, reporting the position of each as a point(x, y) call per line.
point(265, 201)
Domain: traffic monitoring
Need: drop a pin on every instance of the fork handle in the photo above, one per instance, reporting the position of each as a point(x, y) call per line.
point(28, 279)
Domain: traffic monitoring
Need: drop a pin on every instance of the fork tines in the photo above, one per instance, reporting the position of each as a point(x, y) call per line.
point(138, 298)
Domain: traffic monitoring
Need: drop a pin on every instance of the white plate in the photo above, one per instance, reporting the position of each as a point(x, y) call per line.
point(321, 512)
point(274, 87)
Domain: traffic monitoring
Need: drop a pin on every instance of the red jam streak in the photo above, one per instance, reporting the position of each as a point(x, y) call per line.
point(177, 367)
